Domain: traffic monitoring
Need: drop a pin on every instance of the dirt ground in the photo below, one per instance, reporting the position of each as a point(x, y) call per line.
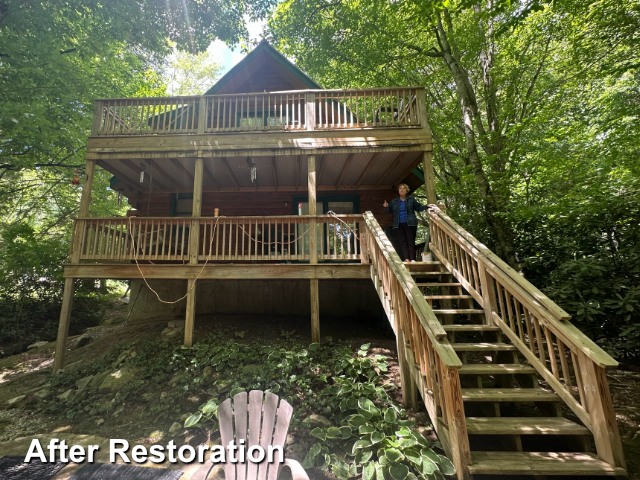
point(20, 373)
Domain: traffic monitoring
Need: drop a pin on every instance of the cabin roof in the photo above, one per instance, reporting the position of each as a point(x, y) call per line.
point(263, 67)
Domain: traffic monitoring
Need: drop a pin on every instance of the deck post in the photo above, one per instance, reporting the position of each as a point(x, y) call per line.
point(63, 326)
point(313, 248)
point(429, 177)
point(600, 407)
point(194, 247)
point(487, 287)
point(190, 313)
point(315, 311)
point(310, 110)
point(313, 233)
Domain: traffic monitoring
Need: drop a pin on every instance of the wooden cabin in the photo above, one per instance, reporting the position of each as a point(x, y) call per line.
point(265, 196)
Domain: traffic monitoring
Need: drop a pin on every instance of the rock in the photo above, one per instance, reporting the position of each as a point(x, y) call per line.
point(316, 420)
point(252, 369)
point(100, 421)
point(177, 378)
point(176, 324)
point(175, 428)
point(41, 394)
point(68, 395)
point(116, 380)
point(17, 401)
point(37, 345)
point(97, 380)
point(83, 382)
point(84, 341)
point(224, 387)
point(122, 356)
point(73, 366)
point(173, 333)
point(165, 331)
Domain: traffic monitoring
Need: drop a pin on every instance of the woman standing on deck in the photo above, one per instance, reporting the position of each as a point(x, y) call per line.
point(405, 220)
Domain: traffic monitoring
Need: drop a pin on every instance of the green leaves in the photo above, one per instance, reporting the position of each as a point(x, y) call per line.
point(193, 420)
point(399, 471)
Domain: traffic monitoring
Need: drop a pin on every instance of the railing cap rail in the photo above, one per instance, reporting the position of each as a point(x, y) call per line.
point(428, 320)
point(221, 217)
point(276, 92)
point(556, 317)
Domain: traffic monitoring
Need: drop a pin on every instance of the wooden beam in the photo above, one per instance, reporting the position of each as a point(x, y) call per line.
point(390, 168)
point(345, 167)
point(319, 169)
point(225, 162)
point(121, 176)
point(220, 271)
point(170, 181)
point(182, 168)
point(407, 171)
point(196, 211)
point(429, 177)
point(87, 186)
point(63, 325)
point(315, 311)
point(274, 165)
point(190, 315)
point(367, 168)
point(311, 185)
point(209, 174)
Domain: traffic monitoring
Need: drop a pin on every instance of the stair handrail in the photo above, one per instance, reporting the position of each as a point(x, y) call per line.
point(532, 322)
point(430, 362)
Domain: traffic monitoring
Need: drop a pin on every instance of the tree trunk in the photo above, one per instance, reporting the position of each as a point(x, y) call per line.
point(503, 234)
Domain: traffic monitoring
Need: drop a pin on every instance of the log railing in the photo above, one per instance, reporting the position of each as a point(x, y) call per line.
point(281, 238)
point(416, 326)
point(570, 363)
point(264, 111)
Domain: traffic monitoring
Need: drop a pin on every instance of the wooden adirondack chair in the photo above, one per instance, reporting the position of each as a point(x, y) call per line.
point(258, 431)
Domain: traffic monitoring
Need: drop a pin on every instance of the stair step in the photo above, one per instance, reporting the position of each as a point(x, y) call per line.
point(446, 297)
point(451, 311)
point(438, 284)
point(424, 274)
point(508, 395)
point(470, 328)
point(524, 426)
point(496, 369)
point(540, 463)
point(483, 347)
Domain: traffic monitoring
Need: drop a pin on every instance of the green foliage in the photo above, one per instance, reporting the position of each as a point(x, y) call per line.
point(552, 88)
point(31, 286)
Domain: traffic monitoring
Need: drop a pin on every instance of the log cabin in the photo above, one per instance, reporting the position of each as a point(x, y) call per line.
point(264, 195)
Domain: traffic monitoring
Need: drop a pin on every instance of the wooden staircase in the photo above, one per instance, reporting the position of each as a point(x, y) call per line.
point(511, 387)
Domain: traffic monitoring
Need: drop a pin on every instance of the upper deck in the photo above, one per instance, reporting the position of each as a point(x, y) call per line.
point(263, 123)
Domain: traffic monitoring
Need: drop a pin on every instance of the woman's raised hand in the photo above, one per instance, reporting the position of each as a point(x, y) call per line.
point(385, 204)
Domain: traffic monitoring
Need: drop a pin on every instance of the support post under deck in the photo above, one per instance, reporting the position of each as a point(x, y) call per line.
point(194, 245)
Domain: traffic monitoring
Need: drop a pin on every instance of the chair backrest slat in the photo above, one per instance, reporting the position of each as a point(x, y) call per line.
point(240, 417)
point(225, 416)
point(279, 437)
point(260, 431)
point(255, 419)
point(268, 421)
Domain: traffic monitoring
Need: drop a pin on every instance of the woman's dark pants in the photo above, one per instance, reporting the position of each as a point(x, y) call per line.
point(407, 239)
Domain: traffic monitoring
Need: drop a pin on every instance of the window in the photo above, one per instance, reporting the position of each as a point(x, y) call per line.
point(338, 204)
point(181, 205)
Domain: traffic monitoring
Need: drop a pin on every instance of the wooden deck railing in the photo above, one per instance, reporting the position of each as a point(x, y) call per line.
point(418, 329)
point(571, 364)
point(280, 238)
point(265, 111)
